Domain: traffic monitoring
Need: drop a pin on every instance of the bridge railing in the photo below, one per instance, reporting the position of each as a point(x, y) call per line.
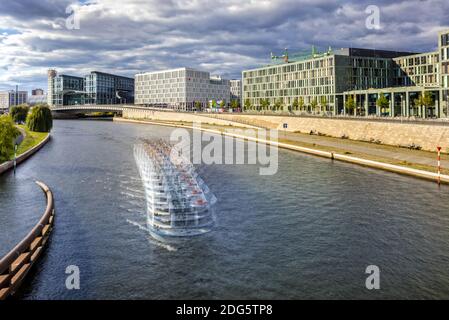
point(15, 265)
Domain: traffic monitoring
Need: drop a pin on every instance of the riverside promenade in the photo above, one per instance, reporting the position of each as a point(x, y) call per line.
point(8, 165)
point(416, 163)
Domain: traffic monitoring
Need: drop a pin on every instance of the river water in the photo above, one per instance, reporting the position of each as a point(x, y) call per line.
point(309, 231)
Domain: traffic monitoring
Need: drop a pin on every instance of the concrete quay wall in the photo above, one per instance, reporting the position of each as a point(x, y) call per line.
point(425, 136)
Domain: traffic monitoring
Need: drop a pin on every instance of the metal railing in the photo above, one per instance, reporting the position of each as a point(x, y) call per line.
point(16, 264)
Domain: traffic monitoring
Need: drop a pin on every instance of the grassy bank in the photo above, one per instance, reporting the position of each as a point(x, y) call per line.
point(31, 139)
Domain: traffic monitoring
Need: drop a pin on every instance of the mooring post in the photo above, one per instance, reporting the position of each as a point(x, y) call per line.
point(439, 165)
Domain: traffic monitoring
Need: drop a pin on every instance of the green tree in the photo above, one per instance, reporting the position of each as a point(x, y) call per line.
point(350, 104)
point(382, 102)
point(301, 103)
point(235, 104)
point(295, 105)
point(8, 133)
point(314, 104)
point(278, 105)
point(222, 104)
point(265, 104)
point(40, 119)
point(425, 100)
point(19, 113)
point(323, 103)
point(214, 103)
point(248, 105)
point(198, 105)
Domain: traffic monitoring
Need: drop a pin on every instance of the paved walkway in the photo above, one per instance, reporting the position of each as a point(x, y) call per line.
point(359, 147)
point(364, 148)
point(22, 136)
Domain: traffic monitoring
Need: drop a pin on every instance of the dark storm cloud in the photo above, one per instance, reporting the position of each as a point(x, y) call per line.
point(220, 36)
point(34, 9)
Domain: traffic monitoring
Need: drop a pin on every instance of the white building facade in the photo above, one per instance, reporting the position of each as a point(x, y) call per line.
point(12, 98)
point(180, 89)
point(236, 90)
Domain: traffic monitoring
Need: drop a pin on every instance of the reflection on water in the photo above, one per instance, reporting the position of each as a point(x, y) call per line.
point(307, 232)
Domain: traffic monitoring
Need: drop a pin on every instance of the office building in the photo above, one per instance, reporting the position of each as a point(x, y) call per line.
point(326, 80)
point(11, 98)
point(236, 90)
point(95, 88)
point(319, 77)
point(37, 92)
point(105, 88)
point(180, 89)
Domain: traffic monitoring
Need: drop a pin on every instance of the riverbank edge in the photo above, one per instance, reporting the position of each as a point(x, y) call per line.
point(427, 175)
point(16, 264)
point(8, 165)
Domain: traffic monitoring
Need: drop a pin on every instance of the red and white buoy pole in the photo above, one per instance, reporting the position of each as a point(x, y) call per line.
point(439, 165)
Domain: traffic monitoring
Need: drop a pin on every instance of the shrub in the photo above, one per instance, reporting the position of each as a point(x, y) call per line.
point(19, 113)
point(8, 133)
point(40, 119)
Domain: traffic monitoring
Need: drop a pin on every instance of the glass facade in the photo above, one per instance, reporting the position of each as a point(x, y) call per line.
point(317, 78)
point(94, 88)
point(417, 70)
point(67, 90)
point(325, 80)
point(103, 88)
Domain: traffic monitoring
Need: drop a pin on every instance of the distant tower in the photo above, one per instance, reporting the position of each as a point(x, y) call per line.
point(51, 77)
point(286, 55)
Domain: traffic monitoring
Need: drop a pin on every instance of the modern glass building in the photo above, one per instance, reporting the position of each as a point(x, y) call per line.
point(67, 90)
point(104, 88)
point(94, 88)
point(443, 49)
point(319, 77)
point(327, 80)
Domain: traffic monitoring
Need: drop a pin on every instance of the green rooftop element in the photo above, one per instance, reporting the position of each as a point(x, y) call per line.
point(299, 56)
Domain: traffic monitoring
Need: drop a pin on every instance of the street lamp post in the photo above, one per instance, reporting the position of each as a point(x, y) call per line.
point(439, 164)
point(15, 158)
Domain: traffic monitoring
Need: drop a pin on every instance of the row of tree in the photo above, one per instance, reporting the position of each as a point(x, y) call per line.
point(297, 105)
point(37, 119)
point(424, 100)
point(235, 104)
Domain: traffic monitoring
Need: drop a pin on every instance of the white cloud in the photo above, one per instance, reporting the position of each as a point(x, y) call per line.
point(222, 36)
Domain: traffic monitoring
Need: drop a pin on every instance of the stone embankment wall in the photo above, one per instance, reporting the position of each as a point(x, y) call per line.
point(424, 136)
point(148, 114)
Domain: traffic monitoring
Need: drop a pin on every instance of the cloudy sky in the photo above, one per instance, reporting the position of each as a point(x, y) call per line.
point(220, 36)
